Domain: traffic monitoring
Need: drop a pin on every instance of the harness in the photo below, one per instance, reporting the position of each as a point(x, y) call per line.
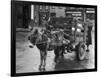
point(54, 39)
point(40, 38)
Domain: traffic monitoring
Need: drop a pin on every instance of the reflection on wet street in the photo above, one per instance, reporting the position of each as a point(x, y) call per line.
point(28, 59)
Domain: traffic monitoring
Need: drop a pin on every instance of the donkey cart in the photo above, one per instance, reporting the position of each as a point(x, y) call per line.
point(76, 33)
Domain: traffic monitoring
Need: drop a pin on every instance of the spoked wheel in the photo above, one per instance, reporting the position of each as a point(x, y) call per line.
point(81, 51)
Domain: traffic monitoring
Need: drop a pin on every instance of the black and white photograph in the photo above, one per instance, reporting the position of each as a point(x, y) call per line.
point(53, 37)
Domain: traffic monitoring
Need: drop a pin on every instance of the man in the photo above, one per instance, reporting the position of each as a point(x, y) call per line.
point(89, 38)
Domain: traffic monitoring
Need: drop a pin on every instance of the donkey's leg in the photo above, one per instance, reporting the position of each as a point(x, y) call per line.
point(41, 59)
point(60, 54)
point(56, 51)
point(44, 58)
point(62, 51)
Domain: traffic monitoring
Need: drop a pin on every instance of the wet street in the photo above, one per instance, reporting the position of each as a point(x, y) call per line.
point(28, 59)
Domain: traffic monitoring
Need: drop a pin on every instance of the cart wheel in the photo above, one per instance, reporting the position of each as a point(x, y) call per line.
point(81, 51)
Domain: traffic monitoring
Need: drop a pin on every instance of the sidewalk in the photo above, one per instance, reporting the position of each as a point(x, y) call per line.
point(22, 30)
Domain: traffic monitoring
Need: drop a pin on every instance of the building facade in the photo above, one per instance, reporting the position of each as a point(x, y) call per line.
point(25, 13)
point(57, 11)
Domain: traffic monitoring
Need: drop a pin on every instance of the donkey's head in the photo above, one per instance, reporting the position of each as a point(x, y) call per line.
point(34, 37)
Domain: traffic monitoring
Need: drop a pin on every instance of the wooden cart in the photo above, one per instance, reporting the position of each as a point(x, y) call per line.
point(76, 32)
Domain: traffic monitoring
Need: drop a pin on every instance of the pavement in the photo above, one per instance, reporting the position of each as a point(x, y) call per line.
point(28, 59)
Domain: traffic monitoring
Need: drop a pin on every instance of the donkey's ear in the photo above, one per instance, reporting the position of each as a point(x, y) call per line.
point(28, 37)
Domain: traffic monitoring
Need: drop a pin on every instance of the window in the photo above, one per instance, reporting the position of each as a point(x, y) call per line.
point(47, 7)
point(32, 11)
point(40, 7)
point(53, 7)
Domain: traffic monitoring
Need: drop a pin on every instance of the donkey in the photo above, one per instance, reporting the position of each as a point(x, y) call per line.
point(42, 42)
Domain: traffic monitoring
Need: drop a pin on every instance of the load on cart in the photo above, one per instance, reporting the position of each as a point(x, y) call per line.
point(75, 34)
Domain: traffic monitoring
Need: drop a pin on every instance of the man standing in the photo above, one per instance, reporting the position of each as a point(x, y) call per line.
point(89, 38)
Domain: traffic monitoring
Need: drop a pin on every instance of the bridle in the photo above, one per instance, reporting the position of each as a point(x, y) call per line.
point(39, 37)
